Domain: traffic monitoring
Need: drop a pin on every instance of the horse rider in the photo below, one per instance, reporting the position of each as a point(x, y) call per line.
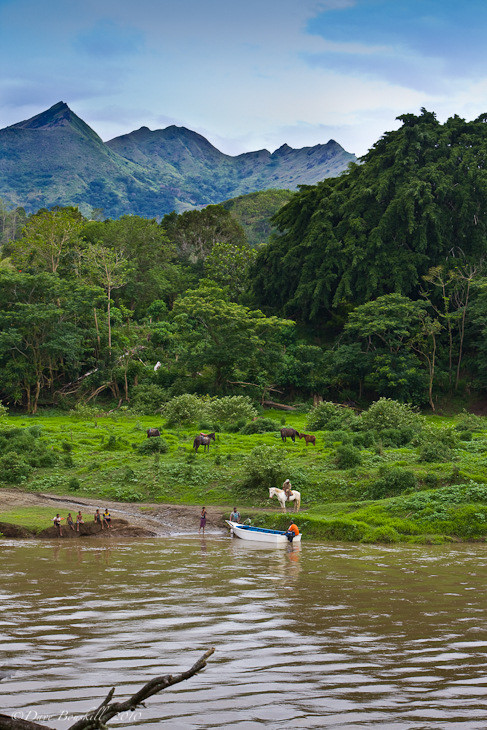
point(288, 489)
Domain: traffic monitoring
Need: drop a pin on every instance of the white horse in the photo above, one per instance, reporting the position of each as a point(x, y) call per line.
point(282, 497)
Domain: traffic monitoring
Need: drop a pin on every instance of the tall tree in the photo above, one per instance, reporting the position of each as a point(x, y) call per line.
point(418, 194)
point(49, 237)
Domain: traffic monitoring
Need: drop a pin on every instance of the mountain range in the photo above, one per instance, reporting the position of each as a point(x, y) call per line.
point(55, 158)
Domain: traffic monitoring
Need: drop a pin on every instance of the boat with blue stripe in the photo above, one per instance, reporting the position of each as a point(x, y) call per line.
point(261, 534)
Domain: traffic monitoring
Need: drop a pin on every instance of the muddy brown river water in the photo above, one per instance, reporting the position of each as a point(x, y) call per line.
point(330, 636)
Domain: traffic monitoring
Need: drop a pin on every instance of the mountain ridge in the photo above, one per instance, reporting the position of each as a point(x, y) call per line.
point(55, 158)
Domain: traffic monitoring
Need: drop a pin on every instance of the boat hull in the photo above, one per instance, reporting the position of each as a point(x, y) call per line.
point(259, 534)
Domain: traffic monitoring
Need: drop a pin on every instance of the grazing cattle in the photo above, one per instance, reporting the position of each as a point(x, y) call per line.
point(282, 497)
point(153, 432)
point(203, 440)
point(309, 438)
point(289, 433)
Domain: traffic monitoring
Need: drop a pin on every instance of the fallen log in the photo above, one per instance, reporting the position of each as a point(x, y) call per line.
point(278, 406)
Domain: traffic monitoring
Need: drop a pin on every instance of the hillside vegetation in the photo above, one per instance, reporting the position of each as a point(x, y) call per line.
point(387, 475)
point(372, 286)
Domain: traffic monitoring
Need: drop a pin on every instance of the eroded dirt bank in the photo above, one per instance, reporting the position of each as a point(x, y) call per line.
point(128, 520)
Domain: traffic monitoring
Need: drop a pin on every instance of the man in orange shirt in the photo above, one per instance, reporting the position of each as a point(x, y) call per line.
point(292, 532)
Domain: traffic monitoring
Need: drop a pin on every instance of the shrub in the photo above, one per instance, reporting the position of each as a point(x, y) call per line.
point(260, 425)
point(84, 412)
point(74, 484)
point(154, 445)
point(388, 413)
point(347, 456)
point(231, 408)
point(66, 447)
point(392, 481)
point(465, 436)
point(111, 444)
point(13, 468)
point(148, 398)
point(68, 461)
point(328, 416)
point(333, 436)
point(264, 468)
point(470, 422)
point(431, 451)
point(383, 533)
point(363, 439)
point(3, 411)
point(395, 437)
point(208, 427)
point(182, 409)
point(431, 481)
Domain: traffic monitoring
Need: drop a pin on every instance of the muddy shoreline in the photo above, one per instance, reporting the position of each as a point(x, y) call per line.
point(128, 519)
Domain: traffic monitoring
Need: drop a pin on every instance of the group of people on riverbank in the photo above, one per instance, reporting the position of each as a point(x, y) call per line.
point(104, 520)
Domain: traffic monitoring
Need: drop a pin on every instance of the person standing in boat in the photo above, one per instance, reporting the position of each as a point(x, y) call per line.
point(203, 520)
point(235, 516)
point(292, 532)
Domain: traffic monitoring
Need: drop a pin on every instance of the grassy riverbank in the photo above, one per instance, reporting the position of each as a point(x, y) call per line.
point(424, 491)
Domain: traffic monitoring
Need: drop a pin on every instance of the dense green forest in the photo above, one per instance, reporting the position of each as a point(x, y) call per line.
point(372, 284)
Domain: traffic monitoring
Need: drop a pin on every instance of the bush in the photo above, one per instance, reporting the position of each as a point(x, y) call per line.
point(111, 444)
point(395, 437)
point(347, 456)
point(68, 461)
point(183, 409)
point(470, 422)
point(383, 533)
point(333, 436)
point(363, 439)
point(3, 411)
point(260, 425)
point(387, 413)
point(66, 447)
point(392, 481)
point(231, 408)
point(13, 468)
point(74, 484)
point(154, 445)
point(465, 436)
point(264, 468)
point(148, 398)
point(84, 412)
point(431, 451)
point(328, 416)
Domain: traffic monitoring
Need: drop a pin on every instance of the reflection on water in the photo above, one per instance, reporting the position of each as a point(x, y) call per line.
point(334, 636)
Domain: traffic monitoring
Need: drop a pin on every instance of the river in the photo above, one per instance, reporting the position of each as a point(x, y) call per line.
point(328, 636)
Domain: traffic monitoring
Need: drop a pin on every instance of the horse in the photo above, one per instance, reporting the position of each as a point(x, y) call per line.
point(289, 433)
point(153, 432)
point(281, 496)
point(309, 438)
point(203, 440)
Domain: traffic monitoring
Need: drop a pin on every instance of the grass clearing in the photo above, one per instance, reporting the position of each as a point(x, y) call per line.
point(100, 458)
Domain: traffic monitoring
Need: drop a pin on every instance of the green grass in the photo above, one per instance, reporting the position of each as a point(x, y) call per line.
point(334, 501)
point(32, 518)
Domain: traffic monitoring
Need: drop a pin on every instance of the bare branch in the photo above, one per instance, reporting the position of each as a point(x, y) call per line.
point(96, 720)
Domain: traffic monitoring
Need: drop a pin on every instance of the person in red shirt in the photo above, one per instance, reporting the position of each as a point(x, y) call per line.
point(292, 532)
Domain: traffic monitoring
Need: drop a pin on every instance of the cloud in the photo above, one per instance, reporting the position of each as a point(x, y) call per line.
point(421, 44)
point(108, 40)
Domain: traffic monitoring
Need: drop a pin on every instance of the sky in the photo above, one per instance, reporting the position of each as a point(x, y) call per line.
point(247, 75)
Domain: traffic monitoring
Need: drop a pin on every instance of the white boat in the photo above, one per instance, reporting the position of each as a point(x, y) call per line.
point(261, 534)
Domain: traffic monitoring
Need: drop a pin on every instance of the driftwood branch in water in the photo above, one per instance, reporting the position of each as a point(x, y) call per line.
point(97, 719)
